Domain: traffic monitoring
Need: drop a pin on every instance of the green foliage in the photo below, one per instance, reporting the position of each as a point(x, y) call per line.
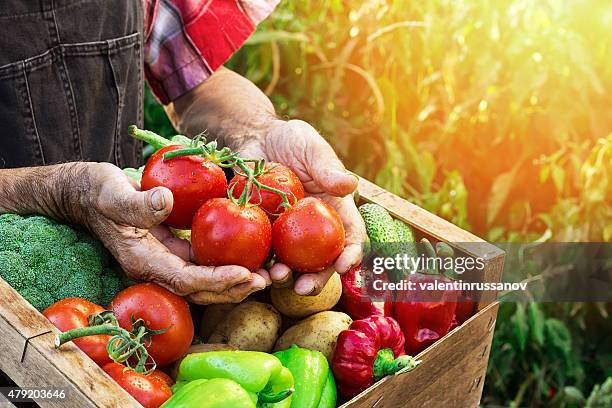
point(601, 396)
point(46, 261)
point(476, 100)
point(537, 359)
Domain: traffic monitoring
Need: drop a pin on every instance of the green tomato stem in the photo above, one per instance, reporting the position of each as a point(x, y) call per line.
point(149, 137)
point(184, 152)
point(107, 328)
point(252, 174)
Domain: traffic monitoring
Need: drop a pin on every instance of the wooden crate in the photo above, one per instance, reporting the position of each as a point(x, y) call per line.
point(451, 373)
point(452, 370)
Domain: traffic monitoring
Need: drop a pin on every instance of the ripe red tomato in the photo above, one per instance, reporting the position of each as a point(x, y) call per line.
point(150, 390)
point(72, 313)
point(276, 176)
point(160, 309)
point(309, 236)
point(163, 376)
point(225, 233)
point(192, 180)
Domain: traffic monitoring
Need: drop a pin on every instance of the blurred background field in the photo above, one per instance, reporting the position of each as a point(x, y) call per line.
point(494, 114)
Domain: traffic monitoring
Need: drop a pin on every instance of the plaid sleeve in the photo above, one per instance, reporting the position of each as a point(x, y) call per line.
point(187, 40)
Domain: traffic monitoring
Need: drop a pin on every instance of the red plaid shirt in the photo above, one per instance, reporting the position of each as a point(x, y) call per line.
point(187, 40)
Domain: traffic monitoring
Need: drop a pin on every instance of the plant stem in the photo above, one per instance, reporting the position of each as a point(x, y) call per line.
point(386, 364)
point(274, 398)
point(149, 137)
point(184, 152)
point(109, 329)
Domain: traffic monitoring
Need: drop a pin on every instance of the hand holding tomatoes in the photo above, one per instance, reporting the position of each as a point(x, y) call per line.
point(275, 188)
point(300, 147)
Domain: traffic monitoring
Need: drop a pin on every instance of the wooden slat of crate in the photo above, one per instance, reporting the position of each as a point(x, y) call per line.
point(439, 229)
point(451, 373)
point(85, 383)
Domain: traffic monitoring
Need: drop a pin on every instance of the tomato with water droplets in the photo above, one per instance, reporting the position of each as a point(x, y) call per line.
point(276, 176)
point(160, 309)
point(192, 179)
point(151, 390)
point(309, 236)
point(225, 233)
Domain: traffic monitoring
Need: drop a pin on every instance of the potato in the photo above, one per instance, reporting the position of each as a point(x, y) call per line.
point(290, 304)
point(212, 316)
point(317, 332)
point(249, 326)
point(198, 348)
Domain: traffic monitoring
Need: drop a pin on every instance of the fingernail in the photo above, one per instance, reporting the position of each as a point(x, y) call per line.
point(259, 283)
point(158, 202)
point(310, 292)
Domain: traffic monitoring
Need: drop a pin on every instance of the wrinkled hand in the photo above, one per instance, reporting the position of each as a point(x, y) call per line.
point(127, 222)
point(299, 146)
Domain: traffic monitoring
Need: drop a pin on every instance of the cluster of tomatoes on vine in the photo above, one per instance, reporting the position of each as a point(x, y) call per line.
point(262, 207)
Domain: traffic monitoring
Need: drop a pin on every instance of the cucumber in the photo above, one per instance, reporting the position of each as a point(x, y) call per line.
point(379, 224)
point(404, 232)
point(388, 235)
point(407, 243)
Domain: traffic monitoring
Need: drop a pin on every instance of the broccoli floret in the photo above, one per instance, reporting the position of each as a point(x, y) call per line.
point(10, 218)
point(40, 299)
point(82, 283)
point(101, 252)
point(46, 261)
point(112, 283)
point(85, 256)
point(14, 271)
point(12, 237)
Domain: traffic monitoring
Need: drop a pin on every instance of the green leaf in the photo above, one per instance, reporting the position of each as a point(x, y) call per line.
point(558, 177)
point(495, 233)
point(536, 320)
point(499, 192)
point(573, 395)
point(558, 336)
point(520, 328)
point(601, 396)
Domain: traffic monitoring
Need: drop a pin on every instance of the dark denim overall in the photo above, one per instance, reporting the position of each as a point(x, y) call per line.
point(71, 81)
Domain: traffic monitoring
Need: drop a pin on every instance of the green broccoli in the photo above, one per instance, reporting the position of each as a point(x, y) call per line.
point(46, 261)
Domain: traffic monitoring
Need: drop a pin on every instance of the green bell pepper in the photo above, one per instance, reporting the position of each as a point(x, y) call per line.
point(258, 373)
point(314, 381)
point(215, 393)
point(328, 395)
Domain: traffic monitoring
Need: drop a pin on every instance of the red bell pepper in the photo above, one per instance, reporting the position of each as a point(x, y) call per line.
point(369, 350)
point(465, 309)
point(423, 315)
point(354, 297)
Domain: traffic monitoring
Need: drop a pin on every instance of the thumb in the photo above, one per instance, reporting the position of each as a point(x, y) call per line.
point(140, 209)
point(329, 173)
